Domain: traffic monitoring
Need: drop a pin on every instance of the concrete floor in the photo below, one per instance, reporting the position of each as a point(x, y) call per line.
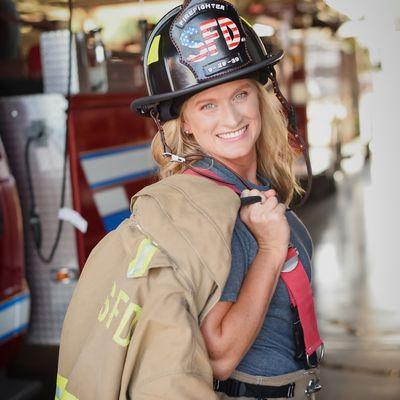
point(358, 320)
point(361, 330)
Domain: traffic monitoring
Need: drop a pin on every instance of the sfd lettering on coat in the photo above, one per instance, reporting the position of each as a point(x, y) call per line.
point(117, 306)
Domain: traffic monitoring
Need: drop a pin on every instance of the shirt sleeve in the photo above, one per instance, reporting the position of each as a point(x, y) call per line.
point(237, 272)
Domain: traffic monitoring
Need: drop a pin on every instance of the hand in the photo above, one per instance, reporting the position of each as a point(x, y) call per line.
point(267, 222)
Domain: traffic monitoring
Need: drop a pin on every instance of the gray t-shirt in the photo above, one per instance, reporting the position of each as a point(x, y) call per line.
point(272, 353)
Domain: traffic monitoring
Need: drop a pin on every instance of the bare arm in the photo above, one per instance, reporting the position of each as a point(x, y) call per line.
point(230, 328)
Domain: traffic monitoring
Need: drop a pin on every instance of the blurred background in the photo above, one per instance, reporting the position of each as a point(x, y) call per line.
point(72, 153)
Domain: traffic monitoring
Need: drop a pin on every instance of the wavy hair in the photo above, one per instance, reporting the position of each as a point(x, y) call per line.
point(274, 154)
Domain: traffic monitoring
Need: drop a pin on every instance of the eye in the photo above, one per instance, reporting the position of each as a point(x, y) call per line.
point(208, 106)
point(241, 96)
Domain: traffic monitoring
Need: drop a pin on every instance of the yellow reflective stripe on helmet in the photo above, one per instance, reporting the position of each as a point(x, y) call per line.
point(138, 266)
point(61, 392)
point(153, 52)
point(246, 22)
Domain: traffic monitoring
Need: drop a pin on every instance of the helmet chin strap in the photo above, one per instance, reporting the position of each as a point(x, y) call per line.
point(297, 141)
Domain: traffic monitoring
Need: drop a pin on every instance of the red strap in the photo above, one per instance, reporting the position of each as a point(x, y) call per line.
point(296, 280)
point(301, 296)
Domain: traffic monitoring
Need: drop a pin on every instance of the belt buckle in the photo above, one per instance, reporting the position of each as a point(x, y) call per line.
point(313, 387)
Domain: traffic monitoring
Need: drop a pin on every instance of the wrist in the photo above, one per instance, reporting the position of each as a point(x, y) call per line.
point(274, 255)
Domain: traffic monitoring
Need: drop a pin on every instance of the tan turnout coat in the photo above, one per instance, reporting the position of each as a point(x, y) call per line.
point(132, 327)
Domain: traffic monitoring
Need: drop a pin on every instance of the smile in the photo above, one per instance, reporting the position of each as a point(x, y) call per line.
point(234, 134)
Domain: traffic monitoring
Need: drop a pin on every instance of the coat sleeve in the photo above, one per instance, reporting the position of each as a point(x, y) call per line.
point(167, 358)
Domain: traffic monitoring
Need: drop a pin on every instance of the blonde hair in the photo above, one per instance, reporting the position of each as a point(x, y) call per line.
point(274, 154)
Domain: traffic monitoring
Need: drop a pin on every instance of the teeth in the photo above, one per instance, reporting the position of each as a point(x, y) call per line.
point(234, 134)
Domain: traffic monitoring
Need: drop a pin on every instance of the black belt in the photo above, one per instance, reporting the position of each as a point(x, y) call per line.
point(234, 388)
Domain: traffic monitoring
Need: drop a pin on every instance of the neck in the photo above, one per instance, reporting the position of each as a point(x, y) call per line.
point(246, 168)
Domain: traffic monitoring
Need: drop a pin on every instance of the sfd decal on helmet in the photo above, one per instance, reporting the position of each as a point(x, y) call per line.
point(209, 38)
point(207, 48)
point(234, 40)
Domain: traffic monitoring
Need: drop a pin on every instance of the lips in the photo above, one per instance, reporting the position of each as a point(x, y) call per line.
point(233, 134)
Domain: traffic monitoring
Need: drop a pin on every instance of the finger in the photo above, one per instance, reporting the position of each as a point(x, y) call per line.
point(255, 192)
point(270, 193)
point(245, 193)
point(271, 202)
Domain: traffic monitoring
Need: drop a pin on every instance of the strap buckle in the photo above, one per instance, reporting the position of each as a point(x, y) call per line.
point(318, 357)
point(174, 157)
point(290, 392)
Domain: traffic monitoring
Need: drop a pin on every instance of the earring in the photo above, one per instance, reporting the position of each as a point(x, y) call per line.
point(186, 132)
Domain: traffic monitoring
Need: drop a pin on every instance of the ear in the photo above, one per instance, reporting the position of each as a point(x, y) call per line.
point(186, 129)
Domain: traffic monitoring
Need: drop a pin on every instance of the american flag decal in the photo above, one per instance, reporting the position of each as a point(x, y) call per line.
point(226, 23)
point(187, 37)
point(209, 34)
point(210, 39)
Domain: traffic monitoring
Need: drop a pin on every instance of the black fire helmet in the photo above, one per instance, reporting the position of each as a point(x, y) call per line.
point(194, 47)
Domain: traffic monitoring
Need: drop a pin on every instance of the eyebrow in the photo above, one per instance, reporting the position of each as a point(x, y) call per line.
point(211, 99)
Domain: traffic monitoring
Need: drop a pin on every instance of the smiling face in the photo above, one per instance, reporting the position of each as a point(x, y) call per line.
point(226, 122)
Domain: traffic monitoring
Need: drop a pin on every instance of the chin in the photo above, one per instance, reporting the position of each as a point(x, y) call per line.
point(233, 156)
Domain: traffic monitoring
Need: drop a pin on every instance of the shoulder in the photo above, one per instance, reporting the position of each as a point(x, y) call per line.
point(190, 184)
point(198, 192)
point(301, 232)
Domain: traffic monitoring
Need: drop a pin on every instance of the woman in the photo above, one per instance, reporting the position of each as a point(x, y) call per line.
point(239, 126)
point(225, 122)
point(149, 318)
point(230, 117)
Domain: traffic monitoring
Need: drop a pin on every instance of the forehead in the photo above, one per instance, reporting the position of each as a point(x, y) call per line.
point(222, 90)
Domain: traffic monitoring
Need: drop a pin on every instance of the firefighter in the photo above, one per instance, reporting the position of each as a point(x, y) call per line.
point(204, 293)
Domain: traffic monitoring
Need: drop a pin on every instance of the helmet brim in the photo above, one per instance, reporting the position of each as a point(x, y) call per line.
point(144, 105)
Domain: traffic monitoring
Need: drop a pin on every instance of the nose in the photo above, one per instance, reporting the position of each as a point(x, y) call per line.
point(231, 115)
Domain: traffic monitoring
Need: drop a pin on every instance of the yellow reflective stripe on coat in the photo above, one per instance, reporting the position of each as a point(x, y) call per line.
point(138, 266)
point(61, 392)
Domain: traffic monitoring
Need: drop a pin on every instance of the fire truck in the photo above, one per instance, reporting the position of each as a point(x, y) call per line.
point(14, 292)
point(107, 160)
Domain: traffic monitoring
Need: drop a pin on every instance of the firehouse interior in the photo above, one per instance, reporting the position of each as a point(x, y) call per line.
point(72, 153)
